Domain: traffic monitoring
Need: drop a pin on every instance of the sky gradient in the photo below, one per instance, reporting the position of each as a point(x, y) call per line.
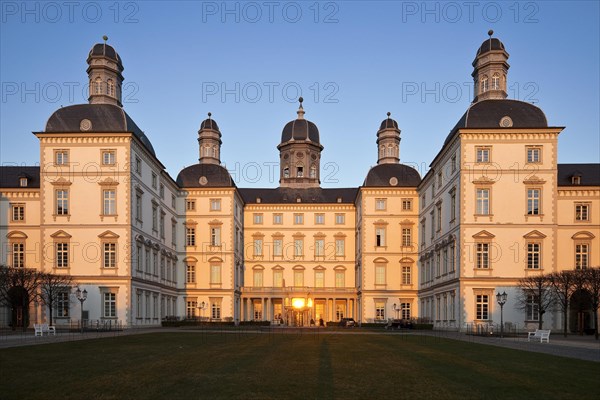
point(247, 62)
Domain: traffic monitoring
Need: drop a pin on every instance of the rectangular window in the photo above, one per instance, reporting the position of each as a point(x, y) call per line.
point(277, 278)
point(109, 201)
point(109, 257)
point(483, 154)
point(161, 224)
point(215, 310)
point(452, 205)
point(61, 157)
point(110, 305)
point(258, 219)
point(190, 309)
point(533, 256)
point(298, 278)
point(380, 204)
point(173, 201)
point(483, 202)
point(406, 275)
point(379, 237)
point(298, 247)
point(380, 274)
point(319, 247)
point(62, 305)
point(340, 247)
point(582, 212)
point(319, 219)
point(18, 212)
point(215, 274)
point(298, 219)
point(62, 202)
point(138, 206)
point(406, 237)
point(190, 205)
point(62, 255)
point(258, 247)
point(340, 279)
point(581, 255)
point(138, 165)
point(532, 308)
point(108, 157)
point(154, 180)
point(405, 310)
point(439, 218)
point(340, 219)
point(534, 154)
point(319, 279)
point(451, 258)
point(439, 180)
point(453, 163)
point(139, 257)
point(258, 278)
point(173, 232)
point(18, 255)
point(155, 263)
point(482, 260)
point(190, 236)
point(215, 204)
point(147, 261)
point(423, 224)
point(277, 219)
point(380, 310)
point(190, 276)
point(482, 304)
point(406, 204)
point(277, 247)
point(533, 201)
point(161, 191)
point(215, 236)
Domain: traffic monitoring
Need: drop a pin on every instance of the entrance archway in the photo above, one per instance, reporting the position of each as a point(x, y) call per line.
point(580, 312)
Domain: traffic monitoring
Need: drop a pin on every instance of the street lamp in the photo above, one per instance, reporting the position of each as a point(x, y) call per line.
point(81, 296)
point(501, 299)
point(396, 310)
point(202, 307)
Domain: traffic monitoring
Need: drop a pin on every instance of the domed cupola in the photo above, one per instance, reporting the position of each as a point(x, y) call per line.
point(388, 141)
point(300, 153)
point(105, 70)
point(490, 69)
point(209, 142)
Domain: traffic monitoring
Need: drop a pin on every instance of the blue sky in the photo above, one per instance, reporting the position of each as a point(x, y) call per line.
point(246, 62)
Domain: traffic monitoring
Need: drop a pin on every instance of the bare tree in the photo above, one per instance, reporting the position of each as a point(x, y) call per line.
point(564, 283)
point(18, 288)
point(51, 287)
point(536, 290)
point(591, 283)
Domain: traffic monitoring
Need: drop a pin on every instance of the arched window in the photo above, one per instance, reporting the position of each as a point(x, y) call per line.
point(496, 82)
point(300, 171)
point(98, 86)
point(111, 87)
point(214, 151)
point(390, 151)
point(484, 84)
point(313, 171)
point(286, 172)
point(381, 152)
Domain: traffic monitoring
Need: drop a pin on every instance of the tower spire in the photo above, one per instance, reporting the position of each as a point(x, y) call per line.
point(490, 69)
point(300, 111)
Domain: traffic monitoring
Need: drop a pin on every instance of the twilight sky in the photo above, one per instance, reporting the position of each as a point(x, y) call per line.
point(247, 63)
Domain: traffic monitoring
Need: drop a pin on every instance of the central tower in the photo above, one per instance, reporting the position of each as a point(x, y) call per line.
point(300, 153)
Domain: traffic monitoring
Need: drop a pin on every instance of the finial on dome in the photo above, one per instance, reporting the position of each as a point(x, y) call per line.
point(105, 38)
point(388, 114)
point(300, 111)
point(490, 33)
point(209, 115)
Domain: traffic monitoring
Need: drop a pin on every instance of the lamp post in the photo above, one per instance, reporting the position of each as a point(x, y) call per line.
point(202, 307)
point(81, 296)
point(501, 299)
point(396, 310)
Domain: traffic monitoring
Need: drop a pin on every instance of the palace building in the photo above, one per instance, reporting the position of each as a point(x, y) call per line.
point(495, 206)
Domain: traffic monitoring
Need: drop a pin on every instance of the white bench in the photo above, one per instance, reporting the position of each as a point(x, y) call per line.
point(40, 329)
point(542, 334)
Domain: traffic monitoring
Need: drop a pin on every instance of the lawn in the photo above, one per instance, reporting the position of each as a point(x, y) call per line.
point(262, 366)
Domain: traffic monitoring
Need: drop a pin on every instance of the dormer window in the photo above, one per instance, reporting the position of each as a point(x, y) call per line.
point(576, 180)
point(23, 182)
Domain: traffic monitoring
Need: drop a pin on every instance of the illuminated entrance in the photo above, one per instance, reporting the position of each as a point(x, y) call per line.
point(298, 311)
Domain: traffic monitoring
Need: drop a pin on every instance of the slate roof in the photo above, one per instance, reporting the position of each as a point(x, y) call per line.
point(216, 176)
point(104, 118)
point(210, 123)
point(380, 176)
point(106, 50)
point(589, 174)
point(388, 123)
point(290, 195)
point(489, 45)
point(300, 129)
point(10, 177)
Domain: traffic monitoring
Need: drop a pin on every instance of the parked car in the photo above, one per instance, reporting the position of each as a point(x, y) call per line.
point(347, 323)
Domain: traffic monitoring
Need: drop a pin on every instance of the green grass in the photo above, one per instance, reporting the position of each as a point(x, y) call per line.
point(262, 366)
